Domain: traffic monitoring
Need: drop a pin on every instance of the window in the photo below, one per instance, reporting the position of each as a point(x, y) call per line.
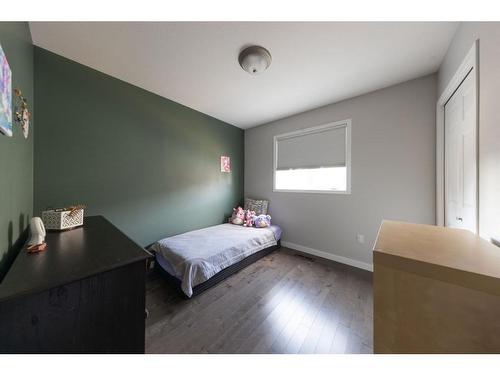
point(316, 160)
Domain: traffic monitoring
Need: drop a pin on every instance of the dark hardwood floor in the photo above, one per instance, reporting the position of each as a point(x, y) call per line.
point(283, 303)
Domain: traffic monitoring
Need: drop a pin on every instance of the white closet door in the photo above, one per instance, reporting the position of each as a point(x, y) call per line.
point(461, 157)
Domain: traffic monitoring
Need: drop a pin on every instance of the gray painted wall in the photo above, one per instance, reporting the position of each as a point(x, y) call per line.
point(16, 153)
point(488, 34)
point(150, 165)
point(393, 170)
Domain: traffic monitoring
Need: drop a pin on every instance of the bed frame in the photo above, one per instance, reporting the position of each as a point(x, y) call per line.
point(219, 276)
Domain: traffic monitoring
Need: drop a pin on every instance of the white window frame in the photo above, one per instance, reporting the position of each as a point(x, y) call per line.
point(316, 129)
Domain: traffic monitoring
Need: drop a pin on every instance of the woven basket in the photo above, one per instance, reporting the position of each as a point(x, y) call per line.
point(61, 220)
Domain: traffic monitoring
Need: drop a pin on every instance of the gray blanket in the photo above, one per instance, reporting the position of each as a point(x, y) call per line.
point(198, 255)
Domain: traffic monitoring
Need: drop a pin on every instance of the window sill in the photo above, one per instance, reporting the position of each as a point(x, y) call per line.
point(342, 192)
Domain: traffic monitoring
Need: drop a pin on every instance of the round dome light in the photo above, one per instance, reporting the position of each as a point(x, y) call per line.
point(254, 59)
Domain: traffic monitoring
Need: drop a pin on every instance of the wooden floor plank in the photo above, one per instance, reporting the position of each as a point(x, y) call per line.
point(247, 298)
point(298, 341)
point(283, 303)
point(312, 290)
point(232, 339)
point(190, 311)
point(275, 323)
point(215, 316)
point(311, 340)
point(341, 339)
point(331, 321)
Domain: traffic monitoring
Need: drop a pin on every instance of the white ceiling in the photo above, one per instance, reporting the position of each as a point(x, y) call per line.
point(195, 63)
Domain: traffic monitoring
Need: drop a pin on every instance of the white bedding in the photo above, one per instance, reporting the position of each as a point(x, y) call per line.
point(198, 255)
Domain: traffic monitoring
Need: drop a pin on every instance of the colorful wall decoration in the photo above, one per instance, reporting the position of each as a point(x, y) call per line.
point(22, 113)
point(5, 95)
point(225, 164)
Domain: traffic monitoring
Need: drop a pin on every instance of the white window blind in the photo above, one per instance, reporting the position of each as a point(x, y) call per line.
point(322, 149)
point(312, 160)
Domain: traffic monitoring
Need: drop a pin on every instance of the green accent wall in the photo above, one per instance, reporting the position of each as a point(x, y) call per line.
point(150, 165)
point(16, 153)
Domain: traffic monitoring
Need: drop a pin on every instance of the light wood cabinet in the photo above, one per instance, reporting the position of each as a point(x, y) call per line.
point(436, 290)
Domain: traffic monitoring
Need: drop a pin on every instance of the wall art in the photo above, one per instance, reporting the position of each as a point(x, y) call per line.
point(5, 95)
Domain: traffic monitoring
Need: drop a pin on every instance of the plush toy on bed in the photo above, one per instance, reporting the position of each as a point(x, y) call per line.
point(238, 216)
point(249, 216)
point(262, 221)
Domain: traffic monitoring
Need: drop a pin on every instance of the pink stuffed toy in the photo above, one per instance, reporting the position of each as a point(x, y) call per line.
point(249, 215)
point(238, 216)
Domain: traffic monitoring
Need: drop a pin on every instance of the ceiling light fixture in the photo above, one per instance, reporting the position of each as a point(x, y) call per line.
point(254, 59)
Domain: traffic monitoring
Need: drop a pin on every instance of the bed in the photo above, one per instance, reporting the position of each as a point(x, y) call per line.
point(196, 260)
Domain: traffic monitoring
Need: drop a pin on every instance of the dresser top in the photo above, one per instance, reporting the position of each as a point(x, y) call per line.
point(71, 255)
point(452, 254)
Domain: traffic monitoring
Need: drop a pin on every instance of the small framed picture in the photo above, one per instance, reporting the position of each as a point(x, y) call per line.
point(225, 164)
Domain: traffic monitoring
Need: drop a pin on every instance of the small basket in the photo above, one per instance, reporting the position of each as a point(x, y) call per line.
point(62, 219)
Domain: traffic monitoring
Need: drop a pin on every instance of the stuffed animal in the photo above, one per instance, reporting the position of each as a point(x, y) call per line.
point(262, 221)
point(238, 216)
point(249, 215)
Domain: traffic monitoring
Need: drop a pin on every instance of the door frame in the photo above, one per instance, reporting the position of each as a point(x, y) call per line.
point(470, 62)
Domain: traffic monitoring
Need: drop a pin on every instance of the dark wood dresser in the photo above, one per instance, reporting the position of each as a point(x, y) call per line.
point(84, 294)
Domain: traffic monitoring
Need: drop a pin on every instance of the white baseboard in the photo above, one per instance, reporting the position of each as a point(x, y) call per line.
point(324, 254)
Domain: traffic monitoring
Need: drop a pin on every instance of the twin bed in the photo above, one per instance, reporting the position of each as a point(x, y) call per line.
point(197, 260)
